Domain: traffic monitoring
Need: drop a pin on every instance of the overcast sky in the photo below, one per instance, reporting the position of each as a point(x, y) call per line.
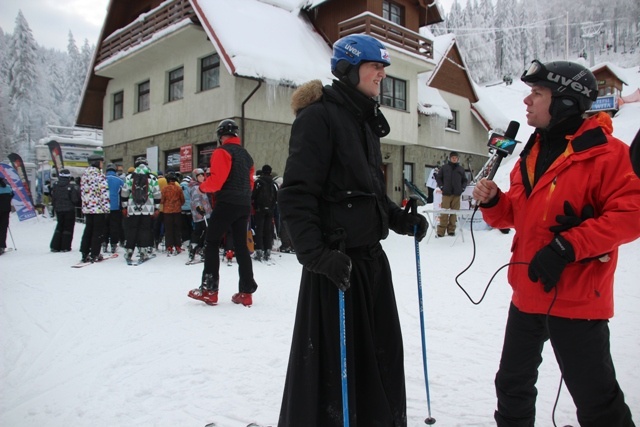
point(51, 20)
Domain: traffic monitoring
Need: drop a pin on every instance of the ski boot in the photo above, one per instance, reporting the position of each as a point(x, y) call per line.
point(242, 298)
point(208, 290)
point(267, 255)
point(128, 255)
point(229, 256)
point(258, 255)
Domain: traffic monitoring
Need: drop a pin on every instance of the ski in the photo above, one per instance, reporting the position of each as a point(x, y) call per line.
point(248, 425)
point(200, 261)
point(84, 264)
point(416, 193)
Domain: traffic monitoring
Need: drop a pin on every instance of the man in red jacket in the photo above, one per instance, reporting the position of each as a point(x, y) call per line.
point(231, 182)
point(573, 200)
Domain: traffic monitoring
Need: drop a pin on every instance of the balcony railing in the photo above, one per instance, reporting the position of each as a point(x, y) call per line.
point(144, 27)
point(387, 31)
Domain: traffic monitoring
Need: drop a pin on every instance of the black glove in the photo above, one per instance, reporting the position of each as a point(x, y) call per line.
point(335, 265)
point(550, 261)
point(200, 210)
point(406, 222)
point(570, 219)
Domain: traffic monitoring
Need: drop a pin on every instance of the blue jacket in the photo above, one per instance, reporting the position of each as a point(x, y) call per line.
point(115, 184)
point(187, 196)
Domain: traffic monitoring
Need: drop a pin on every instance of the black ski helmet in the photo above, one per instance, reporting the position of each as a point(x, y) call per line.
point(573, 86)
point(94, 160)
point(140, 161)
point(171, 176)
point(351, 51)
point(227, 127)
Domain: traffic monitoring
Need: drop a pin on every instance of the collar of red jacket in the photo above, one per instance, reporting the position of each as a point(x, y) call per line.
point(232, 140)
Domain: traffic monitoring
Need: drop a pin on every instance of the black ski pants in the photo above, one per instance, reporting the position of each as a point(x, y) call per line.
point(63, 234)
point(113, 232)
point(4, 226)
point(140, 232)
point(235, 217)
point(172, 229)
point(93, 235)
point(582, 351)
point(264, 229)
point(198, 234)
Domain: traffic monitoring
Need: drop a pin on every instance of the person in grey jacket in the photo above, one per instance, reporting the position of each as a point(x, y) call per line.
point(452, 180)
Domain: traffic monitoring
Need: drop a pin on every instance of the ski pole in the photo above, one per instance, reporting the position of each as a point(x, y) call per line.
point(343, 360)
point(12, 241)
point(411, 206)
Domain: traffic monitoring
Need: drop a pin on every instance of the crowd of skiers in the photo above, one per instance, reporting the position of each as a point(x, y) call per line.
point(149, 211)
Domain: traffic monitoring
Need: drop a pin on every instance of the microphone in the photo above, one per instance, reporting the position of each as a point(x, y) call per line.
point(504, 145)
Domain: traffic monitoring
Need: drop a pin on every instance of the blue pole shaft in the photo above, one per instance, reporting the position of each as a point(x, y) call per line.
point(422, 327)
point(343, 360)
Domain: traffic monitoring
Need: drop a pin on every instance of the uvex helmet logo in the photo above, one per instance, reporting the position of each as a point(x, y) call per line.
point(352, 50)
point(569, 83)
point(384, 54)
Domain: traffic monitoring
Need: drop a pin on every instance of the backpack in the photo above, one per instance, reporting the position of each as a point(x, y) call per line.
point(140, 189)
point(267, 195)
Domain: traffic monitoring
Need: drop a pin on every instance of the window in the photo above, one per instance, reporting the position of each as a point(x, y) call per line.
point(453, 123)
point(144, 91)
point(394, 93)
point(209, 72)
point(118, 104)
point(407, 172)
point(204, 154)
point(393, 12)
point(176, 84)
point(173, 160)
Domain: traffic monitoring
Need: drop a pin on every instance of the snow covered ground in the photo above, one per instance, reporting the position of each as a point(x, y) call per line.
point(112, 345)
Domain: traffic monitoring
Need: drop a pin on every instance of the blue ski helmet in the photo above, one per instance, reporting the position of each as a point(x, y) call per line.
point(351, 51)
point(573, 87)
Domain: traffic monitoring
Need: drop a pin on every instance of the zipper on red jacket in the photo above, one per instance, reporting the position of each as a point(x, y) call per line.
point(552, 188)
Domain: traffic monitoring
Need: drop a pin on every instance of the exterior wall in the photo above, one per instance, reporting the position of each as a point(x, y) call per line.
point(266, 124)
point(471, 137)
point(403, 123)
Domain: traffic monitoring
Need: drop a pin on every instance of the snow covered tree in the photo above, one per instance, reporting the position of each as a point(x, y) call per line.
point(23, 84)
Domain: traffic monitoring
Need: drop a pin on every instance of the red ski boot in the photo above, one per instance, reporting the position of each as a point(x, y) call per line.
point(242, 298)
point(204, 295)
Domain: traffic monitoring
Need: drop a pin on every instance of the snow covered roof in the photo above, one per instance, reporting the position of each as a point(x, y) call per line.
point(265, 39)
point(430, 102)
point(617, 71)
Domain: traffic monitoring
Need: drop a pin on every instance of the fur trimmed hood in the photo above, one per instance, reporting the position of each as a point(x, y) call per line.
point(306, 95)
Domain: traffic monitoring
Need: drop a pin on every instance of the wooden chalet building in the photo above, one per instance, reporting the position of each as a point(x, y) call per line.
point(166, 72)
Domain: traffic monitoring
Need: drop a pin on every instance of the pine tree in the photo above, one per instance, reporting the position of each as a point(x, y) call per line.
point(23, 83)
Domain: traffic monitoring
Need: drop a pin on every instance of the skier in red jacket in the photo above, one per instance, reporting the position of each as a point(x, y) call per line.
point(231, 182)
point(573, 200)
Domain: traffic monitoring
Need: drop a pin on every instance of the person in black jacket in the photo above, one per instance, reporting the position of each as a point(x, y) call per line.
point(334, 202)
point(65, 196)
point(6, 194)
point(265, 197)
point(452, 180)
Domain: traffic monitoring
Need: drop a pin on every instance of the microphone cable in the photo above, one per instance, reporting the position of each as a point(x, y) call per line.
point(486, 289)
